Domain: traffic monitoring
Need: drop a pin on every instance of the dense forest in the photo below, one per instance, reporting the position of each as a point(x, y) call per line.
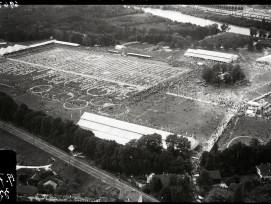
point(138, 157)
point(90, 25)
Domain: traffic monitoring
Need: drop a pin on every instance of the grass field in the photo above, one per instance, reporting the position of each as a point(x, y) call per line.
point(246, 126)
point(177, 115)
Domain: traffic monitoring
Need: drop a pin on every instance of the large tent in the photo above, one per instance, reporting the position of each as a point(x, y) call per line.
point(264, 60)
point(211, 55)
point(120, 131)
point(11, 49)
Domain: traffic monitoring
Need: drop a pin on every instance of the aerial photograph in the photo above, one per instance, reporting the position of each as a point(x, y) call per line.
point(136, 103)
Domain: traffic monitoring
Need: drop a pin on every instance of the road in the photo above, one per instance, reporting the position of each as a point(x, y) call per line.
point(99, 174)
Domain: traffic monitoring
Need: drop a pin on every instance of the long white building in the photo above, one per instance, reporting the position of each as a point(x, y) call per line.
point(211, 55)
point(120, 131)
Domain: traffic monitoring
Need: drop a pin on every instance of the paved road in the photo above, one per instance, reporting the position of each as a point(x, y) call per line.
point(99, 174)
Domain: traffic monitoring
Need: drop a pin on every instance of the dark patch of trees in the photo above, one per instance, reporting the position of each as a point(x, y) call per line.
point(238, 159)
point(179, 188)
point(223, 73)
point(138, 157)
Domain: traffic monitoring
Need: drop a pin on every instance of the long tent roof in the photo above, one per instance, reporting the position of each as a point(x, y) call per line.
point(266, 59)
point(120, 131)
point(211, 55)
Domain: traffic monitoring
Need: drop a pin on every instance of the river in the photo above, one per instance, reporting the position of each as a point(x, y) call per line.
point(179, 17)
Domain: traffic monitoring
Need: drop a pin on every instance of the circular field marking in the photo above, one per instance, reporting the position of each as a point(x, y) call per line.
point(100, 91)
point(40, 88)
point(84, 104)
point(242, 137)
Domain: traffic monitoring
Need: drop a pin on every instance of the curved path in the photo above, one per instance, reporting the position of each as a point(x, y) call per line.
point(82, 165)
point(242, 137)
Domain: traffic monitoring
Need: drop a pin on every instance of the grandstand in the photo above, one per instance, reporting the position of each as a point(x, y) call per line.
point(211, 55)
point(120, 131)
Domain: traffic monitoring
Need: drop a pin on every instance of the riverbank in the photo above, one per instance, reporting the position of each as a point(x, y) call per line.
point(238, 21)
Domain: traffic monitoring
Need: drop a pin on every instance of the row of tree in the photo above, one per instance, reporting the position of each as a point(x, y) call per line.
point(138, 157)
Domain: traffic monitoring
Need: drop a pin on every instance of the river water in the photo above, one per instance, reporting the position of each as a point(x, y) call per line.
point(179, 17)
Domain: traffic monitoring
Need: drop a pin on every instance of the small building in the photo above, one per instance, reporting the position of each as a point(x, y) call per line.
point(130, 196)
point(264, 172)
point(215, 176)
point(50, 182)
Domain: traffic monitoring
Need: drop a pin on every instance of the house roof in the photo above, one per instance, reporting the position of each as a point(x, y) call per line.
point(54, 184)
point(265, 169)
point(215, 174)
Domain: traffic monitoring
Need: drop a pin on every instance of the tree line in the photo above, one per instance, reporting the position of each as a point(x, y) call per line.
point(89, 26)
point(138, 157)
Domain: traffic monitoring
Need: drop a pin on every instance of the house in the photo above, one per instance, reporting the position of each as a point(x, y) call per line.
point(50, 182)
point(215, 176)
point(264, 171)
point(130, 196)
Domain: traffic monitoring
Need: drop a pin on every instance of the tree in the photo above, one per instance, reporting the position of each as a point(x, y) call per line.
point(205, 181)
point(152, 142)
point(254, 142)
point(207, 74)
point(259, 46)
point(225, 27)
point(219, 195)
point(250, 46)
point(262, 33)
point(237, 194)
point(155, 184)
point(165, 194)
point(253, 31)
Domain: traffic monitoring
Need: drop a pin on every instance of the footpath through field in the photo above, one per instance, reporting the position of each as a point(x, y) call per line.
point(97, 173)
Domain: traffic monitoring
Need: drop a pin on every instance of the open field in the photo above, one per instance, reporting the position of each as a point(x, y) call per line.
point(176, 114)
point(255, 127)
point(28, 154)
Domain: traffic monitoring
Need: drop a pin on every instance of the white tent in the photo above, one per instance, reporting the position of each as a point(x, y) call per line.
point(120, 131)
point(211, 55)
point(265, 59)
point(120, 47)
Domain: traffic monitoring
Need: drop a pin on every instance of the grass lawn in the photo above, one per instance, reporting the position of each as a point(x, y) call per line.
point(177, 114)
